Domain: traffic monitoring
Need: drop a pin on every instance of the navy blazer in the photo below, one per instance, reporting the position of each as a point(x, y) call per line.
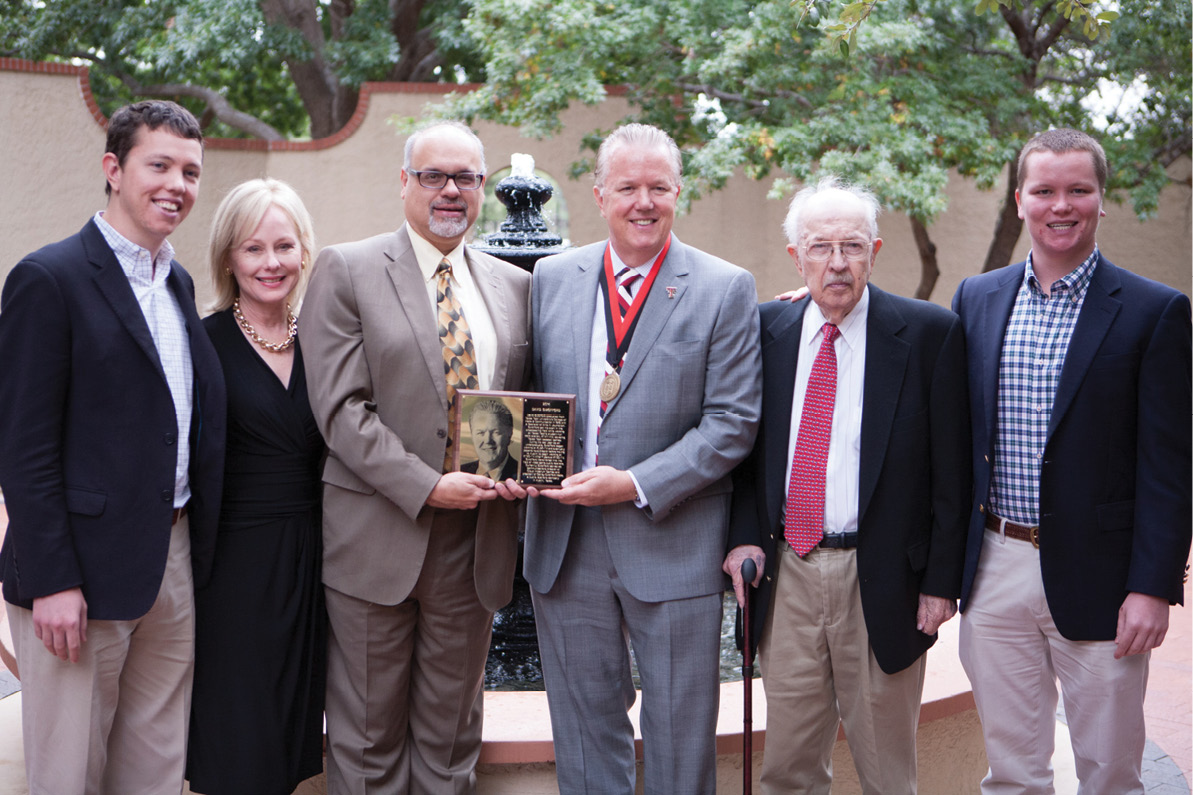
point(914, 477)
point(88, 433)
point(1115, 483)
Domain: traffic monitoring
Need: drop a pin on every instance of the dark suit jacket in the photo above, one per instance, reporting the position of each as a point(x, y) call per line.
point(914, 480)
point(88, 434)
point(510, 470)
point(1115, 484)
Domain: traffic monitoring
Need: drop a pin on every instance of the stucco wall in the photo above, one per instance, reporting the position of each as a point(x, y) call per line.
point(52, 141)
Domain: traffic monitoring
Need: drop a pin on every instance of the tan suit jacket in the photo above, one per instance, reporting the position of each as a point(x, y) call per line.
point(375, 374)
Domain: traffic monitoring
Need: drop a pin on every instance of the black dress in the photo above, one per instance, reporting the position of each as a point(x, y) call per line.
point(260, 624)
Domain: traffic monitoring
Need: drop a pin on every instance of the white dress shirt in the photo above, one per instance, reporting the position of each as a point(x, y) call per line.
point(596, 364)
point(845, 441)
point(480, 322)
point(167, 325)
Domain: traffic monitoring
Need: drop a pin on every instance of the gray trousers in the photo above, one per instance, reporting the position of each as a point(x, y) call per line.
point(586, 624)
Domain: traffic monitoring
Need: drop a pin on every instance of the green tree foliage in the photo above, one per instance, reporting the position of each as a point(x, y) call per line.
point(261, 68)
point(923, 86)
point(893, 93)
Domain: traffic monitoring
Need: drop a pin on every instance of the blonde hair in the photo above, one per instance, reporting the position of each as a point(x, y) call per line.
point(238, 215)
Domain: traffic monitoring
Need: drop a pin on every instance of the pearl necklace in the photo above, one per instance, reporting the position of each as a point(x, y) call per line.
point(274, 347)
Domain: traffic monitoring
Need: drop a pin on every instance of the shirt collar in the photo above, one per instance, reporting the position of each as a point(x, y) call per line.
point(1075, 282)
point(429, 257)
point(138, 264)
point(641, 270)
point(852, 327)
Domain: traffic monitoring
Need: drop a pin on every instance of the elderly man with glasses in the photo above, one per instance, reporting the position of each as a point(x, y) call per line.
point(416, 558)
point(852, 503)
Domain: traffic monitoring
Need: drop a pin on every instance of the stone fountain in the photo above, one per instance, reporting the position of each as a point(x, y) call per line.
point(522, 240)
point(523, 237)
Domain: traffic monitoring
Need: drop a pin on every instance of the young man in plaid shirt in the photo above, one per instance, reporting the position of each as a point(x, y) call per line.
point(1079, 383)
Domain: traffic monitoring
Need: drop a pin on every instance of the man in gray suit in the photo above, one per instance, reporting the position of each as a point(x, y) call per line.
point(416, 559)
point(668, 353)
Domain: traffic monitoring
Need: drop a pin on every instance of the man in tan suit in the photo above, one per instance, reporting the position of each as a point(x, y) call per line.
point(416, 559)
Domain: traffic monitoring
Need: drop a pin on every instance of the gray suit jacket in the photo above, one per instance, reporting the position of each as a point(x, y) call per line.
point(375, 372)
point(686, 415)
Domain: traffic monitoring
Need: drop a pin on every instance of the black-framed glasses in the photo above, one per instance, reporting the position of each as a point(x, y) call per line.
point(822, 250)
point(465, 180)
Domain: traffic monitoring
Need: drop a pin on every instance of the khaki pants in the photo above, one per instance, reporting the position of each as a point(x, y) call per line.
point(818, 671)
point(115, 722)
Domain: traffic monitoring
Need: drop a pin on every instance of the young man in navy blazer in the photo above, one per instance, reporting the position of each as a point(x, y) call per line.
point(111, 460)
point(1079, 384)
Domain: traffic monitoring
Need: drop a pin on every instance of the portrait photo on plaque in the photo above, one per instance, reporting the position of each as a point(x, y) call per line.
point(526, 436)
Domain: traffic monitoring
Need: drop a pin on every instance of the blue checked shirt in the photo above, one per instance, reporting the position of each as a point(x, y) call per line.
point(147, 277)
point(1033, 352)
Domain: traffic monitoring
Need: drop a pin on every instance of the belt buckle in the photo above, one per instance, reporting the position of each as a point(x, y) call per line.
point(1033, 535)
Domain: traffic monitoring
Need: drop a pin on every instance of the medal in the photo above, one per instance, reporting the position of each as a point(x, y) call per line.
point(610, 386)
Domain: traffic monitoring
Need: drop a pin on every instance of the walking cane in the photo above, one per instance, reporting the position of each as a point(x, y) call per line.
point(749, 570)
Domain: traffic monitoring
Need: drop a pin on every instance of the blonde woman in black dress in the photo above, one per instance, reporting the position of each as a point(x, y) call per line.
point(261, 638)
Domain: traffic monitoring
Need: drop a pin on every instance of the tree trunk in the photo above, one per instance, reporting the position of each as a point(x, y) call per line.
point(1008, 227)
point(417, 51)
point(929, 271)
point(329, 103)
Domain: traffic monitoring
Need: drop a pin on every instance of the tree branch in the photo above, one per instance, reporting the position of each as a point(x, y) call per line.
point(216, 104)
point(696, 88)
point(1052, 35)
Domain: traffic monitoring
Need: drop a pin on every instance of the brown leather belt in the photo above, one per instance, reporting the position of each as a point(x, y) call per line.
point(178, 514)
point(1017, 531)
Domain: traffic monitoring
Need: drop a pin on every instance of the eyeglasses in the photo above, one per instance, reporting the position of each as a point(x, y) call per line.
point(822, 250)
point(465, 180)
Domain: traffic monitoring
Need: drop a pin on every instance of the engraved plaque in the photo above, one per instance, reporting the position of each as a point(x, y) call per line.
point(527, 436)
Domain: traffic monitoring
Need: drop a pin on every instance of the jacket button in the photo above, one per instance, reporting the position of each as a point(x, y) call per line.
point(441, 433)
point(167, 495)
point(168, 438)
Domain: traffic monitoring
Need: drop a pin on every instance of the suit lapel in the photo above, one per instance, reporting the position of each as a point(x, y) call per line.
point(782, 341)
point(1097, 314)
point(996, 306)
point(657, 310)
point(885, 368)
point(113, 283)
point(402, 267)
point(587, 289)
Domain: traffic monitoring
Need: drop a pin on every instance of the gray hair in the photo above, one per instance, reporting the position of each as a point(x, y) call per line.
point(793, 223)
point(429, 129)
point(638, 135)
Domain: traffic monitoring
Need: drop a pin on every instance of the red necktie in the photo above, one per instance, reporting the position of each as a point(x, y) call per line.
point(804, 515)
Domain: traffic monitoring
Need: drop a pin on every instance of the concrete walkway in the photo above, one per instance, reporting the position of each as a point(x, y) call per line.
point(1168, 709)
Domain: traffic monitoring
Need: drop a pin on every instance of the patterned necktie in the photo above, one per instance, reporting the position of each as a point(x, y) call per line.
point(804, 514)
point(626, 280)
point(459, 358)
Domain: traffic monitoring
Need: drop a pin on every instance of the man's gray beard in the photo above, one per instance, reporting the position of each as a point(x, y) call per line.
point(447, 227)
